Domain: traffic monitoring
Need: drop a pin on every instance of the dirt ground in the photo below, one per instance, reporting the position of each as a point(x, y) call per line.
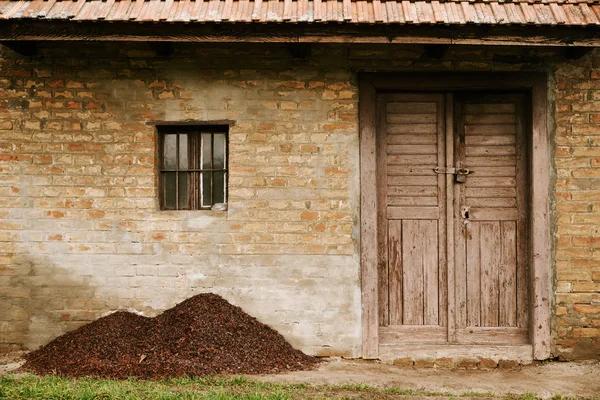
point(10, 362)
point(564, 378)
point(580, 379)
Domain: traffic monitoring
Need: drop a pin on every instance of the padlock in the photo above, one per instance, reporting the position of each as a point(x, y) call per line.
point(461, 175)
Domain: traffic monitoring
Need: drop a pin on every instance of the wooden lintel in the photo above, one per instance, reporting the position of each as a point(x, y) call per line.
point(190, 122)
point(300, 33)
point(24, 48)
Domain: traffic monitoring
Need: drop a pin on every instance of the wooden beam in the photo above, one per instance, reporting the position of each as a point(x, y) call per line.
point(300, 33)
point(540, 223)
point(24, 48)
point(190, 122)
point(368, 220)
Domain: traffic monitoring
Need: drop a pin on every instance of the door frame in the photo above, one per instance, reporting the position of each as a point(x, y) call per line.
point(534, 84)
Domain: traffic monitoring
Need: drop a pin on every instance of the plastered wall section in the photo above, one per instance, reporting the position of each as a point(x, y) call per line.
point(81, 234)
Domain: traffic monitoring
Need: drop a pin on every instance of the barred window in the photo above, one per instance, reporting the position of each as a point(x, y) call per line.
point(193, 167)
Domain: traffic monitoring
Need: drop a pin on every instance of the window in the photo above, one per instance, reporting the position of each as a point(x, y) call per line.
point(193, 167)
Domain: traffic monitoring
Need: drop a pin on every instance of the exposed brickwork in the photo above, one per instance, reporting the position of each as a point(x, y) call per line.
point(578, 209)
point(80, 230)
point(457, 363)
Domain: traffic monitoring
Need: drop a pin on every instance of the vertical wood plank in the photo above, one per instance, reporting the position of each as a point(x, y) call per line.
point(460, 234)
point(441, 223)
point(412, 273)
point(490, 259)
point(523, 242)
point(368, 220)
point(508, 275)
point(474, 274)
point(429, 240)
point(450, 269)
point(385, 294)
point(395, 271)
point(540, 326)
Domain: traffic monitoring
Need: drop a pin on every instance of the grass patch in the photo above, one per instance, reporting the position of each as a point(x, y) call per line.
point(217, 388)
point(16, 387)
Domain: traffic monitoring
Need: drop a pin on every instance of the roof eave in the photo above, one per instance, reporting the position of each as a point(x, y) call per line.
point(471, 34)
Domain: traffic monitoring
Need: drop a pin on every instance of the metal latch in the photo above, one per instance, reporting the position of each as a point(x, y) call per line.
point(460, 174)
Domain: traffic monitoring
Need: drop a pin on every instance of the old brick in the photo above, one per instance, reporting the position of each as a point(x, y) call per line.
point(467, 363)
point(55, 214)
point(424, 363)
point(508, 364)
point(587, 309)
point(404, 362)
point(586, 332)
point(309, 216)
point(56, 83)
point(487, 363)
point(444, 362)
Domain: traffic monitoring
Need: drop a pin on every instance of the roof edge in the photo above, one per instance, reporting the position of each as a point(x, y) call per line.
point(42, 30)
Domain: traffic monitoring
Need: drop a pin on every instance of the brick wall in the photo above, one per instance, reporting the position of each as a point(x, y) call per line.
point(81, 233)
point(577, 158)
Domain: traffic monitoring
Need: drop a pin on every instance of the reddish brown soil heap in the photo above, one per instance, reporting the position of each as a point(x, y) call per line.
point(204, 335)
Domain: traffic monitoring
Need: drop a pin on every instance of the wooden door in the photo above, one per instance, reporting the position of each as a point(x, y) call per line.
point(490, 220)
point(421, 140)
point(412, 223)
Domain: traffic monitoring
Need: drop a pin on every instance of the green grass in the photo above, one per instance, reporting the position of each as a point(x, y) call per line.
point(55, 388)
point(211, 388)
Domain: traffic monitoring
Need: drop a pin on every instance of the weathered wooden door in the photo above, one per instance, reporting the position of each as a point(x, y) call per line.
point(452, 230)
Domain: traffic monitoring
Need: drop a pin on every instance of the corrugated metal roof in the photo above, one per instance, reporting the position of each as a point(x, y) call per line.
point(449, 12)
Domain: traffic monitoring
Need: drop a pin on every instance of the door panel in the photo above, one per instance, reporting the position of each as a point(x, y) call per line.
point(412, 208)
point(414, 244)
point(488, 219)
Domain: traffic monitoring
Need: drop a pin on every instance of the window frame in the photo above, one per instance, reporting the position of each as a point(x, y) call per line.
point(196, 130)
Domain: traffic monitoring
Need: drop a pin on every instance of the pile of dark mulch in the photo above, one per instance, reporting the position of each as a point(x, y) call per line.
point(204, 335)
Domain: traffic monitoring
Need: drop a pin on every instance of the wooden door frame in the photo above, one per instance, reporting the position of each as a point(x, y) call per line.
point(536, 85)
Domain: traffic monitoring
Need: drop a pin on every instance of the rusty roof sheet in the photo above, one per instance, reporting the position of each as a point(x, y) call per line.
point(448, 12)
